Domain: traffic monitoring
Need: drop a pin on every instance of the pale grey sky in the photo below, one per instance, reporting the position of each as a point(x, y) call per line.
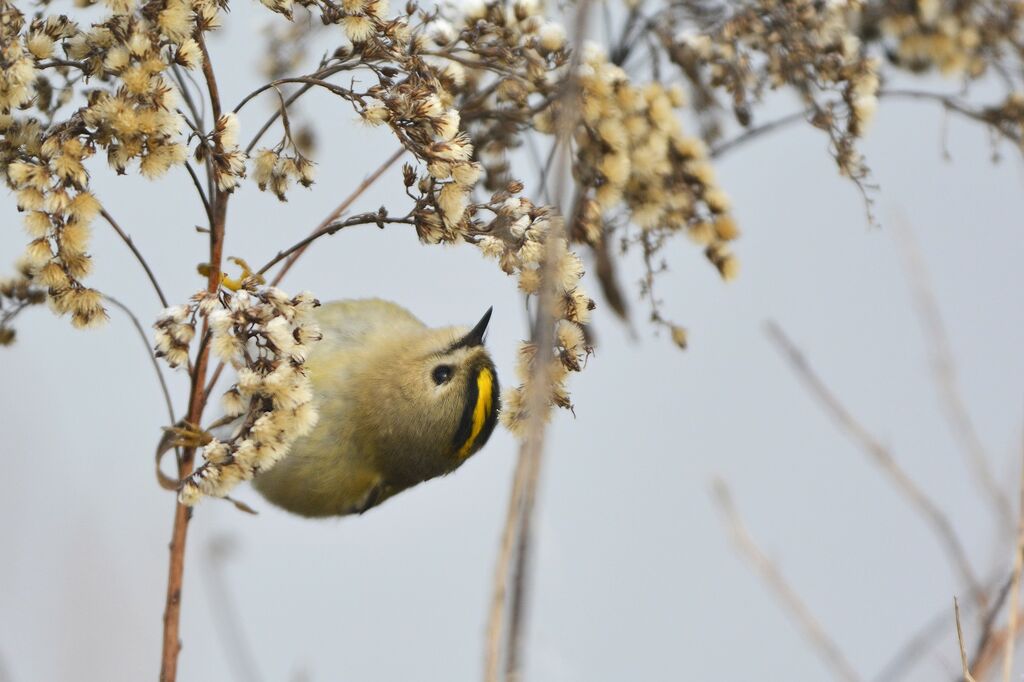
point(636, 576)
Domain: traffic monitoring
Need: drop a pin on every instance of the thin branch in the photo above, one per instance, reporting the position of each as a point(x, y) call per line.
point(883, 458)
point(723, 148)
point(145, 341)
point(988, 622)
point(502, 567)
point(202, 193)
point(322, 73)
point(308, 80)
point(951, 104)
point(944, 372)
point(913, 650)
point(823, 645)
point(138, 255)
point(338, 211)
point(328, 230)
point(960, 639)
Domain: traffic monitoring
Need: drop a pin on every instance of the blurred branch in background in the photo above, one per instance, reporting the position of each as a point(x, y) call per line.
point(944, 371)
point(512, 571)
point(227, 620)
point(994, 642)
point(820, 641)
point(883, 458)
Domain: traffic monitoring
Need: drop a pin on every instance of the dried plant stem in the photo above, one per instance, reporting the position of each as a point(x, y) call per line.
point(951, 104)
point(944, 370)
point(197, 401)
point(145, 341)
point(755, 132)
point(885, 461)
point(960, 639)
point(138, 255)
point(824, 645)
point(513, 566)
point(496, 618)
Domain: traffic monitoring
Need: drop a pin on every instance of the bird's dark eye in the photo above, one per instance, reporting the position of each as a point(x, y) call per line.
point(441, 374)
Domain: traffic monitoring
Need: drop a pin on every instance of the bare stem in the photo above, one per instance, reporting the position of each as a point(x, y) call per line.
point(182, 514)
point(960, 639)
point(824, 645)
point(145, 341)
point(944, 371)
point(327, 230)
point(496, 618)
point(138, 256)
point(516, 563)
point(884, 459)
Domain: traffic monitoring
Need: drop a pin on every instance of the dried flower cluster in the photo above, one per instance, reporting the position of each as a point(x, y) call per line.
point(802, 44)
point(266, 336)
point(527, 241)
point(956, 38)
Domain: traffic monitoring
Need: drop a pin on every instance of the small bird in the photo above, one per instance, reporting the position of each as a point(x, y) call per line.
point(399, 403)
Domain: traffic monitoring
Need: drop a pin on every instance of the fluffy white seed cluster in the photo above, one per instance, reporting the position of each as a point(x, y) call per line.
point(276, 171)
point(265, 335)
point(227, 159)
point(526, 240)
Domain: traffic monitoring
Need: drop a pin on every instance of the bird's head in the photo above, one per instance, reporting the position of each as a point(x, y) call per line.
point(438, 396)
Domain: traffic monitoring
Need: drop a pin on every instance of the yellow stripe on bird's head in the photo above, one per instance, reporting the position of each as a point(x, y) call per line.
point(480, 413)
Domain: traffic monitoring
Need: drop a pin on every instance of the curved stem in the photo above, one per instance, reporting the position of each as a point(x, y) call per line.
point(145, 341)
point(138, 255)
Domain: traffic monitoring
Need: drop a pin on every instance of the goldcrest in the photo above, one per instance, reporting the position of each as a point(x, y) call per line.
point(399, 403)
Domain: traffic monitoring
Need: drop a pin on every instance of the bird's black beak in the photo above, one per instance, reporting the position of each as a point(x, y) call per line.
point(475, 337)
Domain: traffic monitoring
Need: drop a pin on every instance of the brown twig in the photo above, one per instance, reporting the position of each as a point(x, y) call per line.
point(824, 645)
point(337, 212)
point(328, 230)
point(944, 372)
point(884, 459)
point(182, 514)
point(138, 255)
